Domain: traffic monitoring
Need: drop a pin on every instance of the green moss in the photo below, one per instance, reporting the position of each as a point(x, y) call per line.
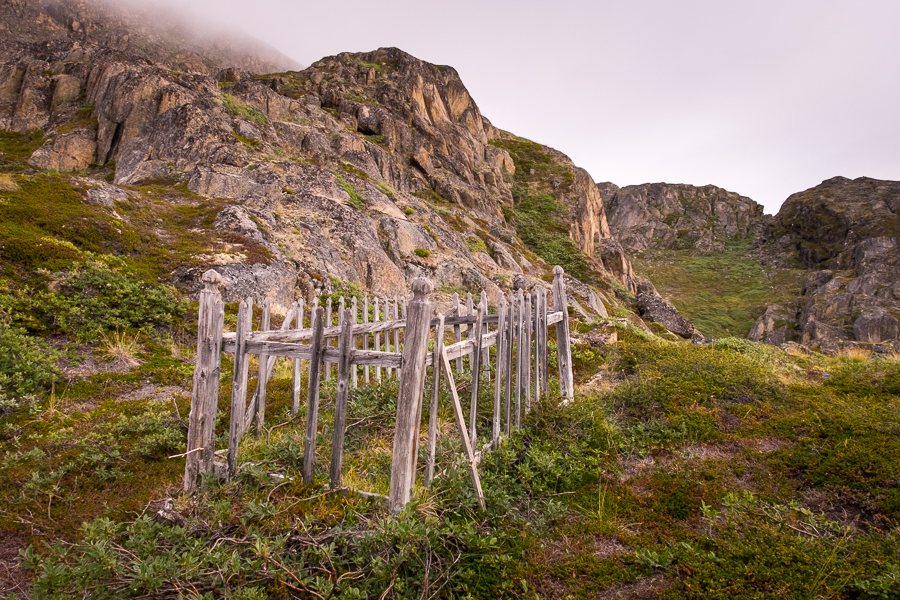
point(422, 252)
point(236, 108)
point(476, 244)
point(251, 143)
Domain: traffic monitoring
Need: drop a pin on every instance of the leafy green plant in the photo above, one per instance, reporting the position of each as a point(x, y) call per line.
point(355, 199)
point(422, 252)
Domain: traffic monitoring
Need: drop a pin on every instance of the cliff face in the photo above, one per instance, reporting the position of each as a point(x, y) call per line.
point(369, 168)
point(677, 216)
point(847, 232)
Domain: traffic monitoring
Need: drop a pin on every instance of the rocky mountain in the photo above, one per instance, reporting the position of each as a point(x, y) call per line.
point(368, 169)
point(847, 233)
point(677, 216)
point(129, 32)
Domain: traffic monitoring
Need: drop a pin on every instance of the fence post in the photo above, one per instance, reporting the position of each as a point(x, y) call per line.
point(529, 327)
point(328, 323)
point(563, 346)
point(312, 411)
point(263, 377)
point(205, 396)
point(354, 370)
point(239, 382)
point(406, 432)
point(345, 351)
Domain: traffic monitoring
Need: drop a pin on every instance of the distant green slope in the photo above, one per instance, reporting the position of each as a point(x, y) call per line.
point(721, 293)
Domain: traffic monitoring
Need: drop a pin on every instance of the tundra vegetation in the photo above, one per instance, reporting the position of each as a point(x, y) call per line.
point(728, 470)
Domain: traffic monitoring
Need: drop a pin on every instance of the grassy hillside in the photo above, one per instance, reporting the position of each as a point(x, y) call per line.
point(722, 293)
point(728, 471)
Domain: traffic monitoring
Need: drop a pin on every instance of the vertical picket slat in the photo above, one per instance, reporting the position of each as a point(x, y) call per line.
point(396, 331)
point(402, 316)
point(475, 366)
point(239, 382)
point(387, 316)
point(563, 345)
point(345, 351)
point(520, 354)
point(435, 396)
point(529, 326)
point(501, 360)
point(457, 332)
point(312, 412)
point(470, 329)
point(262, 379)
point(508, 361)
point(406, 429)
point(328, 323)
point(377, 340)
point(366, 336)
point(297, 377)
point(354, 370)
point(486, 351)
point(545, 350)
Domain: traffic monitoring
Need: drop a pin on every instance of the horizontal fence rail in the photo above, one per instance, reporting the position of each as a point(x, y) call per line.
point(384, 338)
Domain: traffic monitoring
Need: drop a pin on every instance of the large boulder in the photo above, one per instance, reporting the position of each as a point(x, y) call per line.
point(653, 308)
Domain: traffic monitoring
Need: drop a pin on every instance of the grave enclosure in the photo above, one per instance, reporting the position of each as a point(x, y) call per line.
point(394, 343)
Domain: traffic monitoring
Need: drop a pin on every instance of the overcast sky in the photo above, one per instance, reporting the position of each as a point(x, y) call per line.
point(761, 97)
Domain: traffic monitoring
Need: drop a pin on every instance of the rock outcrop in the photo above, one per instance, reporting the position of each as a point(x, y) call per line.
point(677, 216)
point(847, 232)
point(370, 168)
point(655, 309)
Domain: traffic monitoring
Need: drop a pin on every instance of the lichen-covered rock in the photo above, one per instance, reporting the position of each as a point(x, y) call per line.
point(653, 308)
point(67, 152)
point(775, 327)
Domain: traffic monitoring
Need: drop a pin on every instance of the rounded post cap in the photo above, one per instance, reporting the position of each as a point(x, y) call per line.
point(557, 270)
point(422, 286)
point(212, 277)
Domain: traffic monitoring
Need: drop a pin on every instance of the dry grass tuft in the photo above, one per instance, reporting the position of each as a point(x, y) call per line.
point(121, 349)
point(855, 354)
point(7, 183)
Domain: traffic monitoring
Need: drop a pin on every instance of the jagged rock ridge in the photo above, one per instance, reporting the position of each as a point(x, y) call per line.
point(370, 168)
point(677, 216)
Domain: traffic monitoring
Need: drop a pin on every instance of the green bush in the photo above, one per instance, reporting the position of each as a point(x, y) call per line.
point(423, 252)
point(93, 297)
point(355, 199)
point(27, 365)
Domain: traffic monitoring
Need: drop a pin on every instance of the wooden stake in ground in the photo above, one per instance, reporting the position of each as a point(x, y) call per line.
point(345, 350)
point(312, 412)
point(461, 424)
point(366, 336)
point(201, 442)
point(328, 323)
point(354, 370)
point(406, 431)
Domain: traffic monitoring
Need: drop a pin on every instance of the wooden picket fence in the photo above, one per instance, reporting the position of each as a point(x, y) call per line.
point(519, 329)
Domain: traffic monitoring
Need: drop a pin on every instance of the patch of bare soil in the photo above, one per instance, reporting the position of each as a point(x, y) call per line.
point(644, 589)
point(14, 579)
point(154, 392)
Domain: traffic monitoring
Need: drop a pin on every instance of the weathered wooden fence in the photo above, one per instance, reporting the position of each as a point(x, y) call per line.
point(519, 329)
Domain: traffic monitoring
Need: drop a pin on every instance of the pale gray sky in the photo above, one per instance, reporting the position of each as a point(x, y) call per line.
point(764, 98)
